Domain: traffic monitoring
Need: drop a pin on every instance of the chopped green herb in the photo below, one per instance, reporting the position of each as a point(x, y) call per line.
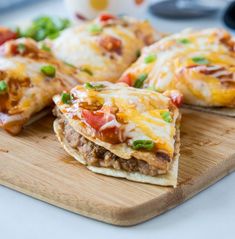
point(44, 47)
point(3, 86)
point(86, 70)
point(143, 144)
point(21, 48)
point(95, 29)
point(44, 27)
point(89, 86)
point(140, 80)
point(54, 35)
point(40, 35)
point(138, 53)
point(184, 41)
point(166, 116)
point(200, 60)
point(48, 70)
point(66, 98)
point(149, 59)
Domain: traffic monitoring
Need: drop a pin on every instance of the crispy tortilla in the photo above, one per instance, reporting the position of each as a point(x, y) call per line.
point(13, 124)
point(214, 110)
point(169, 179)
point(121, 150)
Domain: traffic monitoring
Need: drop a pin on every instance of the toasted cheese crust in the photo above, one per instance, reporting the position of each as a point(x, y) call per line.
point(24, 88)
point(116, 116)
point(200, 64)
point(102, 50)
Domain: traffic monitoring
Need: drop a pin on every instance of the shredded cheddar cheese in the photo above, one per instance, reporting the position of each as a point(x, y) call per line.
point(138, 111)
point(28, 89)
point(200, 64)
point(78, 46)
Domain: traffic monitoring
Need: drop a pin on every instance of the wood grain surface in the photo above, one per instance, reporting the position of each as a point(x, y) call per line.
point(34, 163)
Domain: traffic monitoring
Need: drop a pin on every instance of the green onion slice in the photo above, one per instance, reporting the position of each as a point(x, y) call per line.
point(44, 47)
point(90, 86)
point(149, 59)
point(200, 60)
point(3, 86)
point(66, 98)
point(184, 41)
point(48, 70)
point(143, 144)
point(166, 116)
point(54, 35)
point(95, 29)
point(43, 27)
point(140, 80)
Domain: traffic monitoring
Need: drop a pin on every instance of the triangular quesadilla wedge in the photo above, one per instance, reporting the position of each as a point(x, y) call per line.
point(200, 64)
point(120, 131)
point(29, 77)
point(104, 48)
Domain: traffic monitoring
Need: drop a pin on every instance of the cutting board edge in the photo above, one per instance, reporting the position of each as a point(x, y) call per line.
point(182, 193)
point(127, 216)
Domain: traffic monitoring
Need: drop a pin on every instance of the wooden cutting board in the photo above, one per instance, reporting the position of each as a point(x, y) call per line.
point(35, 164)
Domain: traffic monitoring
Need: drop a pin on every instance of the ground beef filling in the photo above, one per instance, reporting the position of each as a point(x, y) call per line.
point(98, 156)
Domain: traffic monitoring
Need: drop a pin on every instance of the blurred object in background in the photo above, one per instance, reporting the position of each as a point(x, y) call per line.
point(9, 4)
point(88, 9)
point(184, 9)
point(229, 15)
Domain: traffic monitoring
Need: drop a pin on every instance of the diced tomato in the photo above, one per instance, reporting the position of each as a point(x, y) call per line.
point(110, 135)
point(6, 35)
point(97, 119)
point(111, 44)
point(11, 50)
point(176, 97)
point(126, 79)
point(105, 17)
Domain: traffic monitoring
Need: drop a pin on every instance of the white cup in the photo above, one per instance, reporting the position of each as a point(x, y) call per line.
point(89, 9)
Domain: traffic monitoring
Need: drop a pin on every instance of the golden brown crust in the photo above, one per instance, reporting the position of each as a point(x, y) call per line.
point(104, 54)
point(150, 105)
point(200, 64)
point(26, 90)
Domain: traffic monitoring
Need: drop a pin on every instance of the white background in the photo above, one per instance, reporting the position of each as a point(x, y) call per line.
point(210, 214)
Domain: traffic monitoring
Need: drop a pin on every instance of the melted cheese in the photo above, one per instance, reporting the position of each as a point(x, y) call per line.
point(28, 89)
point(173, 68)
point(140, 110)
point(82, 49)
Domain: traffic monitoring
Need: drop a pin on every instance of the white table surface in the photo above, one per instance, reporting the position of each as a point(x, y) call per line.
point(210, 214)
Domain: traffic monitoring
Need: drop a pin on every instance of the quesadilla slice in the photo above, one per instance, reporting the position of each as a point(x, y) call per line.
point(29, 78)
point(120, 131)
point(102, 49)
point(199, 64)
